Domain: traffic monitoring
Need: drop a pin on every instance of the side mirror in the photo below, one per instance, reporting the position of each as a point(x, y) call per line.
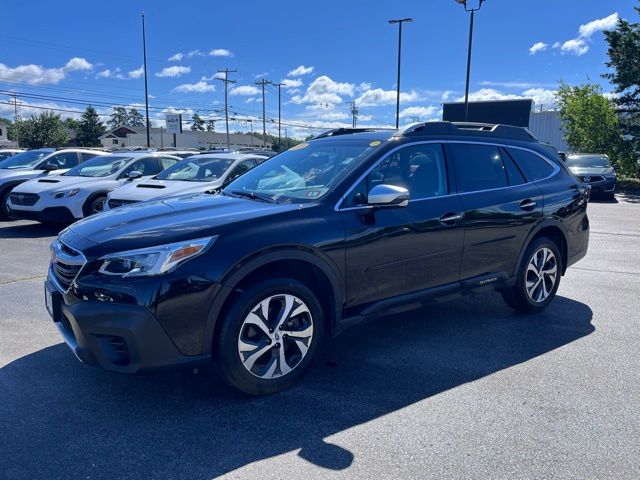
point(388, 195)
point(563, 156)
point(49, 167)
point(134, 175)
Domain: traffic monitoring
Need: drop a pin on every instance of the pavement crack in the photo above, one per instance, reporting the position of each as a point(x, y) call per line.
point(617, 234)
point(23, 279)
point(600, 270)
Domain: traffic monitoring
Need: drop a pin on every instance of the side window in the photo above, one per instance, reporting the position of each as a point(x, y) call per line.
point(242, 167)
point(478, 167)
point(533, 166)
point(146, 166)
point(513, 173)
point(114, 141)
point(64, 160)
point(419, 168)
point(87, 155)
point(166, 162)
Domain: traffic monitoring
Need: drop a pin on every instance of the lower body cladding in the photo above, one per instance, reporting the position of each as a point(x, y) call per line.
point(121, 337)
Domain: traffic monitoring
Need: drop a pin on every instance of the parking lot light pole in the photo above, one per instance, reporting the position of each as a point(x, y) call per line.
point(146, 91)
point(472, 16)
point(399, 21)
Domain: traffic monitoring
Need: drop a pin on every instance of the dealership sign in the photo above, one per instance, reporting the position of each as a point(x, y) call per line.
point(174, 123)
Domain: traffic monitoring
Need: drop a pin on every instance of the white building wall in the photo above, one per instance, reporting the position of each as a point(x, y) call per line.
point(547, 127)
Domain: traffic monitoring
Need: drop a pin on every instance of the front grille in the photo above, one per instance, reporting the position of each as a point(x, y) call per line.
point(115, 203)
point(591, 178)
point(24, 199)
point(66, 263)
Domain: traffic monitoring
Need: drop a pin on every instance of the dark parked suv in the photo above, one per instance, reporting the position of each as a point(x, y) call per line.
point(350, 225)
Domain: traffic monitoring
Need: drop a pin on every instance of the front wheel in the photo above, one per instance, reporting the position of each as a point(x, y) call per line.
point(270, 336)
point(5, 211)
point(96, 205)
point(538, 278)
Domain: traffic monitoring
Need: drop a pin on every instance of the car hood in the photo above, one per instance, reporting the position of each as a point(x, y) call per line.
point(167, 221)
point(8, 174)
point(150, 189)
point(56, 183)
point(591, 170)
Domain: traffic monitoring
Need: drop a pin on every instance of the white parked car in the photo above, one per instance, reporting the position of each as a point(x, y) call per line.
point(200, 173)
point(37, 163)
point(83, 190)
point(9, 152)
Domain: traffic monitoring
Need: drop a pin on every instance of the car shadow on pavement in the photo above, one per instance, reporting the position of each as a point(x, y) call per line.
point(59, 418)
point(29, 230)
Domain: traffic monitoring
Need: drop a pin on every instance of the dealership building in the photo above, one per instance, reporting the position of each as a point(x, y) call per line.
point(545, 125)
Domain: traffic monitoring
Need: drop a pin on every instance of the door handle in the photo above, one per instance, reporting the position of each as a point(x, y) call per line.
point(450, 218)
point(527, 204)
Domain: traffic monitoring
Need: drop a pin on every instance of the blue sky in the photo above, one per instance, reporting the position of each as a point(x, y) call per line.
point(65, 54)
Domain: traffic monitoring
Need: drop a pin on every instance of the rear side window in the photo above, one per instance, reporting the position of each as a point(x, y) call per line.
point(63, 160)
point(166, 162)
point(479, 167)
point(533, 166)
point(87, 155)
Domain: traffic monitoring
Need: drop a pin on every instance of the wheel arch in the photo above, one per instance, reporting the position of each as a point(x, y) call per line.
point(301, 263)
point(91, 198)
point(552, 229)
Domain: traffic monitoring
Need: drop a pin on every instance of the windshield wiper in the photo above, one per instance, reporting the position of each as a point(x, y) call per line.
point(253, 196)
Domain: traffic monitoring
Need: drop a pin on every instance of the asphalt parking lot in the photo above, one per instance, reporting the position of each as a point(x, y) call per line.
point(465, 389)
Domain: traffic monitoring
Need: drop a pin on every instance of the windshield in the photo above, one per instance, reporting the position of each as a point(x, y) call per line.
point(589, 161)
point(305, 172)
point(25, 159)
point(99, 166)
point(196, 169)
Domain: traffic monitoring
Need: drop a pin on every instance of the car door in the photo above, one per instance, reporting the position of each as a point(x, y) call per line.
point(392, 251)
point(500, 208)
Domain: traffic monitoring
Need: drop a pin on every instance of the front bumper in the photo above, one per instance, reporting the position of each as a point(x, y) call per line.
point(117, 337)
point(606, 186)
point(47, 215)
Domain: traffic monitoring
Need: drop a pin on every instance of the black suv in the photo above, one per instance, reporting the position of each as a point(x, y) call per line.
point(350, 225)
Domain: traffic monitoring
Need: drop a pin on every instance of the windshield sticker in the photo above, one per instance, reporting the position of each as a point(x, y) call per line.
point(375, 143)
point(300, 146)
point(313, 193)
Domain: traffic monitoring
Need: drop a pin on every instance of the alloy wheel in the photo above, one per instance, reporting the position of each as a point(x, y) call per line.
point(541, 275)
point(98, 206)
point(275, 336)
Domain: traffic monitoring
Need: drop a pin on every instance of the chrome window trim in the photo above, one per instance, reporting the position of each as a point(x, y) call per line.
point(556, 170)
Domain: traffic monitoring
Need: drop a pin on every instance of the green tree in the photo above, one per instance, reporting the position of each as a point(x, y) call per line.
point(211, 125)
point(43, 130)
point(119, 117)
point(624, 52)
point(70, 123)
point(590, 120)
point(89, 128)
point(135, 118)
point(197, 124)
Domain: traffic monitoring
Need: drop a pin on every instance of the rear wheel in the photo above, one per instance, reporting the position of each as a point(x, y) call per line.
point(538, 277)
point(270, 336)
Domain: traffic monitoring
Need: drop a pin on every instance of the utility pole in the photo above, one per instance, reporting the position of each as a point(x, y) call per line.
point(226, 102)
point(15, 120)
point(146, 90)
point(279, 85)
point(354, 114)
point(262, 83)
point(399, 22)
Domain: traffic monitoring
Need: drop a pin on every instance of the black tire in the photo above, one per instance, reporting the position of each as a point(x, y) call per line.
point(610, 196)
point(226, 343)
point(5, 213)
point(93, 203)
point(517, 296)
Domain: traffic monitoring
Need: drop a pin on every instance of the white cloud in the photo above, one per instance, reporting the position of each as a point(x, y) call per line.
point(250, 100)
point(378, 96)
point(289, 83)
point(446, 95)
point(245, 90)
point(599, 25)
point(195, 53)
point(199, 87)
point(487, 94)
point(364, 86)
point(220, 52)
point(418, 111)
point(173, 72)
point(538, 47)
point(541, 96)
point(299, 71)
point(487, 83)
point(137, 73)
point(176, 57)
point(39, 75)
point(576, 46)
point(107, 73)
point(324, 90)
point(334, 116)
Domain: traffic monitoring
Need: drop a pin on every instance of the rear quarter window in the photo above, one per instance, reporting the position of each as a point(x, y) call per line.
point(533, 166)
point(478, 167)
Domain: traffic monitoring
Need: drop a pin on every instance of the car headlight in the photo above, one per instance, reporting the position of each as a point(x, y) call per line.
point(65, 193)
point(153, 260)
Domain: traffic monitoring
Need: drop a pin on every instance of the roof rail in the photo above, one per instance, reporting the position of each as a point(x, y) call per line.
point(347, 131)
point(468, 128)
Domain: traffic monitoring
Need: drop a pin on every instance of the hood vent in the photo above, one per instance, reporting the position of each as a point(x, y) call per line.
point(46, 180)
point(150, 185)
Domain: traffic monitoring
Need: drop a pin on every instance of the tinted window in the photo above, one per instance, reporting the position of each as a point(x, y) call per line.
point(100, 166)
point(197, 169)
point(533, 166)
point(419, 168)
point(513, 173)
point(146, 166)
point(63, 160)
point(479, 167)
point(166, 162)
point(589, 161)
point(242, 167)
point(87, 155)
